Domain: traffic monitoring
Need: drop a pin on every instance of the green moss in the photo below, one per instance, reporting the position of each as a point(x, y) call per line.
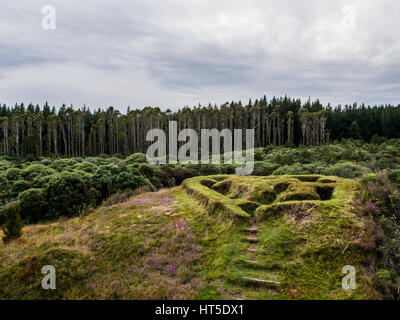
point(299, 191)
point(23, 280)
point(209, 293)
point(326, 180)
point(214, 202)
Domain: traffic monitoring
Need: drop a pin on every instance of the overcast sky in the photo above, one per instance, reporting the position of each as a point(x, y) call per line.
point(175, 53)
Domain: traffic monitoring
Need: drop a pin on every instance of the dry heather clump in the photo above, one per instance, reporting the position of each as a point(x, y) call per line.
point(301, 212)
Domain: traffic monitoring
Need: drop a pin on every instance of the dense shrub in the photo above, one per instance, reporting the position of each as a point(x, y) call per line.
point(68, 193)
point(177, 174)
point(127, 180)
point(264, 168)
point(13, 174)
point(376, 139)
point(4, 165)
point(305, 156)
point(296, 168)
point(395, 176)
point(227, 168)
point(12, 227)
point(93, 160)
point(346, 169)
point(103, 180)
point(18, 187)
point(205, 169)
point(62, 164)
point(41, 182)
point(147, 170)
point(34, 205)
point(378, 188)
point(258, 155)
point(86, 167)
point(380, 203)
point(46, 162)
point(133, 168)
point(136, 158)
point(36, 170)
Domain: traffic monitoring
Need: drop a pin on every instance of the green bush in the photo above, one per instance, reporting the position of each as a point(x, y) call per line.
point(289, 145)
point(394, 176)
point(41, 182)
point(147, 170)
point(369, 177)
point(18, 187)
point(46, 162)
point(2, 218)
point(94, 160)
point(34, 205)
point(175, 175)
point(293, 169)
point(264, 168)
point(227, 168)
point(380, 202)
point(305, 156)
point(204, 169)
point(127, 180)
point(258, 154)
point(346, 169)
point(134, 169)
point(88, 167)
point(4, 165)
point(68, 193)
point(13, 174)
point(136, 158)
point(12, 227)
point(36, 170)
point(376, 139)
point(103, 180)
point(62, 164)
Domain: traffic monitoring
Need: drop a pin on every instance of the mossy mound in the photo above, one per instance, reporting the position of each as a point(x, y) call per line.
point(294, 244)
point(299, 191)
point(229, 194)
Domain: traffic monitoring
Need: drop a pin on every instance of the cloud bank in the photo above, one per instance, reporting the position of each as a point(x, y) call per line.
point(174, 53)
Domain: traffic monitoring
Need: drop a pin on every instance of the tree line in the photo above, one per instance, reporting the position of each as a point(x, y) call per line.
point(43, 131)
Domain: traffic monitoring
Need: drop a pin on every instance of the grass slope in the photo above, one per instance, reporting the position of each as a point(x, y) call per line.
point(208, 239)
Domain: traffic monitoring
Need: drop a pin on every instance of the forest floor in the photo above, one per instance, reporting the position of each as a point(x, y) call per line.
point(216, 237)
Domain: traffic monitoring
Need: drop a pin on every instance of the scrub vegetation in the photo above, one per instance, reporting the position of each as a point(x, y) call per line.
point(119, 228)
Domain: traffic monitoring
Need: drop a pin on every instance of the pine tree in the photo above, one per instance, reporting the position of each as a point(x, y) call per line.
point(13, 226)
point(354, 131)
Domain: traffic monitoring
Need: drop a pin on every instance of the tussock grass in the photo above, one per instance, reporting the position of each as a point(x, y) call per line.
point(141, 250)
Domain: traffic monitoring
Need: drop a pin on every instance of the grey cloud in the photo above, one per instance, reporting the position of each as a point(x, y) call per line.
point(174, 53)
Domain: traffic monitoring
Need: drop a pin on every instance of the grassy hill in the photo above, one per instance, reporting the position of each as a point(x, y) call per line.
point(214, 237)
